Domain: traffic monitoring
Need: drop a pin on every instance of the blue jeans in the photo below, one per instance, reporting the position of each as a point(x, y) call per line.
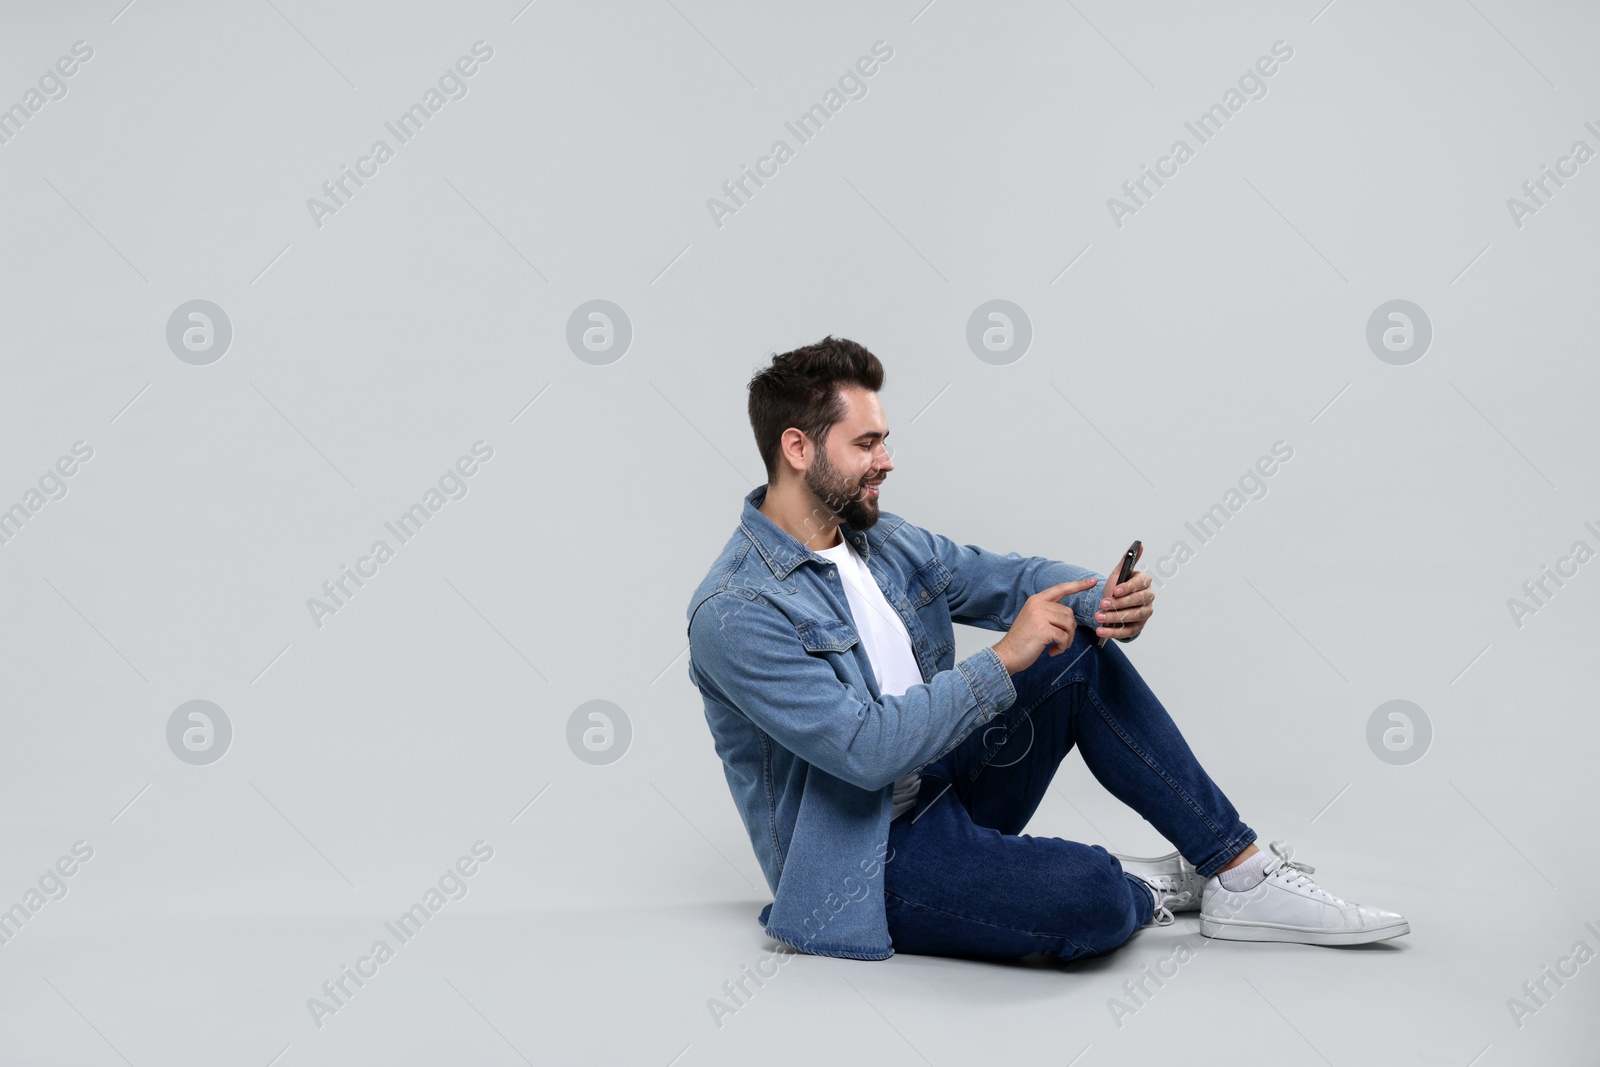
point(964, 880)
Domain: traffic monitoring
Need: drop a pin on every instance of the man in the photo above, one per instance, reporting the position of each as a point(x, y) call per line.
point(885, 787)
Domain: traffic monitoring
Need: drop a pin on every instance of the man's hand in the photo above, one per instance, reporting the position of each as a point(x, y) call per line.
point(1044, 622)
point(1127, 607)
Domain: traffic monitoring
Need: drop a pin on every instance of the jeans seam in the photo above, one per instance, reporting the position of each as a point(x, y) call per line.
point(980, 922)
point(1116, 728)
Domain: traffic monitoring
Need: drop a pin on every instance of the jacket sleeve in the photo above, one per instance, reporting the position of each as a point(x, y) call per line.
point(747, 654)
point(988, 589)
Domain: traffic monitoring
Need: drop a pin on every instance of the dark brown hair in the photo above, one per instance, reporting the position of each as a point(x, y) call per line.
point(801, 389)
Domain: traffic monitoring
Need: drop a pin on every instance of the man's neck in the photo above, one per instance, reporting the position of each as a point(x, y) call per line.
point(795, 512)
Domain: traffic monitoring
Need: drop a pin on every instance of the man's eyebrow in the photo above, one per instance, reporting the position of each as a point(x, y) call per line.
point(873, 433)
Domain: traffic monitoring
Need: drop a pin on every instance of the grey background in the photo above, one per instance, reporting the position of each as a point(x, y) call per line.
point(431, 312)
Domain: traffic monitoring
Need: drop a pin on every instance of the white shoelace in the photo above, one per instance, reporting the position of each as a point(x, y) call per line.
point(1294, 873)
point(1162, 915)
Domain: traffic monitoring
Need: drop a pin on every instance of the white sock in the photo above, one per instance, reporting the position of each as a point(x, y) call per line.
point(1246, 876)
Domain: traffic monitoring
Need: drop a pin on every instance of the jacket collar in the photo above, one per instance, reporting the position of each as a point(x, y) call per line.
point(784, 553)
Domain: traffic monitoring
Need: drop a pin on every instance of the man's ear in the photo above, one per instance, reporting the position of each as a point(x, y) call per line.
point(799, 442)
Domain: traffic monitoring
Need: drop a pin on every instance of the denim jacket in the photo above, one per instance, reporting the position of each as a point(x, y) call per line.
point(809, 745)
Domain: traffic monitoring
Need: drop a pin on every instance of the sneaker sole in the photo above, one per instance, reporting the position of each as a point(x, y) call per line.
point(1223, 930)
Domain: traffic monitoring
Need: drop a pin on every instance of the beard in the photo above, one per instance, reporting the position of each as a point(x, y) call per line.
point(842, 494)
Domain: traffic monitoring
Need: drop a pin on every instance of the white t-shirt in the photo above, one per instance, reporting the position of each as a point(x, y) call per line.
point(887, 644)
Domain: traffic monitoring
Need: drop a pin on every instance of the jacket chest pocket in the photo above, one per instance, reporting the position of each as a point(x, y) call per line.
point(927, 582)
point(832, 639)
point(926, 592)
point(827, 635)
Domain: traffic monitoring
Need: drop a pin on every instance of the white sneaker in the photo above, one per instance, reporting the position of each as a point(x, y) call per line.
point(1288, 906)
point(1169, 876)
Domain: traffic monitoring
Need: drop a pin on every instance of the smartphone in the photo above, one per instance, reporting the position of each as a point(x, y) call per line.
point(1124, 571)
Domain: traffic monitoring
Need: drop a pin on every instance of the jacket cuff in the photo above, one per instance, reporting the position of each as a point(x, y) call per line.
point(1083, 604)
point(989, 680)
